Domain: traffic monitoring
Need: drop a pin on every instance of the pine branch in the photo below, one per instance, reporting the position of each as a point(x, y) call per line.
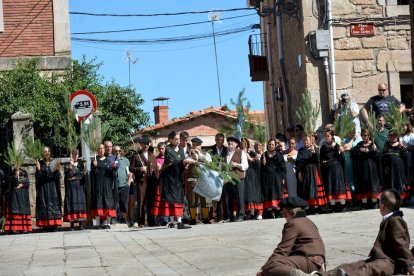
point(344, 124)
point(307, 114)
point(224, 170)
point(33, 148)
point(396, 120)
point(14, 157)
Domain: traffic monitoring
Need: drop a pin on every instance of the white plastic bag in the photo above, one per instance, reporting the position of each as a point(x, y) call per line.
point(209, 184)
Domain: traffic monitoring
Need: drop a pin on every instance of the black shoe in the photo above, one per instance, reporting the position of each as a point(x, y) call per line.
point(239, 219)
point(80, 226)
point(206, 221)
point(181, 225)
point(193, 222)
point(171, 225)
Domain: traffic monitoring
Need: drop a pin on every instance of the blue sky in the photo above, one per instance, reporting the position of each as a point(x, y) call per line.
point(185, 72)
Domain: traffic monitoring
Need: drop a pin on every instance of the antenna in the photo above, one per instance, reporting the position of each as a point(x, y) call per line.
point(215, 17)
point(129, 56)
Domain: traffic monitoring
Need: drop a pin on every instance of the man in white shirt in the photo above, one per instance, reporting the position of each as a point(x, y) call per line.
point(344, 104)
point(238, 161)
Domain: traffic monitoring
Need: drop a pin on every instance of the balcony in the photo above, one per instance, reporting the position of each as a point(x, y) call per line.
point(257, 60)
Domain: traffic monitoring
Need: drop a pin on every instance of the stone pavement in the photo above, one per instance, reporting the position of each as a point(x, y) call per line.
point(216, 249)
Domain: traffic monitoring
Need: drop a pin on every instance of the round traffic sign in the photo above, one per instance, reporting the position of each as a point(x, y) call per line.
point(83, 103)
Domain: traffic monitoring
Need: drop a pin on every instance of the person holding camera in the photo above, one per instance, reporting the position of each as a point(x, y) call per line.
point(345, 104)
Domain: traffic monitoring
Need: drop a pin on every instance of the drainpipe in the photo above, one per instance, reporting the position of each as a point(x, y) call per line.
point(331, 56)
point(270, 66)
point(326, 69)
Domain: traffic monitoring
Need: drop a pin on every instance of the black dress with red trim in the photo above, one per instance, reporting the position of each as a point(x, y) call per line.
point(18, 215)
point(333, 178)
point(169, 199)
point(75, 199)
point(48, 195)
point(102, 196)
point(309, 185)
point(272, 175)
point(367, 180)
point(253, 198)
point(394, 169)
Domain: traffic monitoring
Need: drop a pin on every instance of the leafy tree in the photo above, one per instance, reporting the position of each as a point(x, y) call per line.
point(26, 89)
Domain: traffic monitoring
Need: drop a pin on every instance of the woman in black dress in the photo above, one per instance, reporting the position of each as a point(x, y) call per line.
point(393, 160)
point(253, 200)
point(364, 158)
point(309, 185)
point(169, 199)
point(272, 173)
point(102, 197)
point(48, 193)
point(333, 177)
point(75, 199)
point(18, 217)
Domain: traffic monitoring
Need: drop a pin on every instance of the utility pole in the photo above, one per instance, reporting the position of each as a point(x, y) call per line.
point(215, 16)
point(131, 59)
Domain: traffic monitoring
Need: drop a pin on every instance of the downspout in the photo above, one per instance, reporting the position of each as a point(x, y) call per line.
point(270, 66)
point(266, 100)
point(286, 95)
point(331, 56)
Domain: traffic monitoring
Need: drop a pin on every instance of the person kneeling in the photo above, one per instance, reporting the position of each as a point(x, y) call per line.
point(390, 254)
point(301, 246)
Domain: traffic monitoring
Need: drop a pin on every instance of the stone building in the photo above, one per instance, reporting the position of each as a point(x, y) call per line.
point(371, 42)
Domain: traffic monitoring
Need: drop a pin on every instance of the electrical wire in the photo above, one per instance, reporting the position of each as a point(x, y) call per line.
point(157, 14)
point(168, 39)
point(401, 19)
point(157, 27)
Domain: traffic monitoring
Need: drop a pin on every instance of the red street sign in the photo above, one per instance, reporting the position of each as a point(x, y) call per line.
point(366, 29)
point(83, 103)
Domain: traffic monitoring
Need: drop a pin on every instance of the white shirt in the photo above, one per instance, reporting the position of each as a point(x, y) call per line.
point(244, 165)
point(219, 150)
point(145, 154)
point(387, 216)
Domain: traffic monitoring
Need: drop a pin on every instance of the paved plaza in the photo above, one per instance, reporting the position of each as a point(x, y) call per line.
point(216, 249)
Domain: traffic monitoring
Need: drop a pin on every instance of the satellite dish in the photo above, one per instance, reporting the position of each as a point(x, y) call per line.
point(214, 16)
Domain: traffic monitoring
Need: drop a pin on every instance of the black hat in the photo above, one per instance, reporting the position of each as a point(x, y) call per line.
point(293, 202)
point(345, 96)
point(233, 138)
point(197, 140)
point(144, 140)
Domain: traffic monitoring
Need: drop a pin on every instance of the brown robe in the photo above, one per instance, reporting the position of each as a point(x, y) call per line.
point(146, 184)
point(390, 254)
point(301, 248)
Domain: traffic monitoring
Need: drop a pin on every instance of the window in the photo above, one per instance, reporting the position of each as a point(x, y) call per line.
point(403, 2)
point(406, 88)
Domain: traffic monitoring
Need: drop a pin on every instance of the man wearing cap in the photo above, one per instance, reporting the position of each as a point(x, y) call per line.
point(194, 199)
point(144, 167)
point(237, 159)
point(301, 246)
point(390, 254)
point(344, 104)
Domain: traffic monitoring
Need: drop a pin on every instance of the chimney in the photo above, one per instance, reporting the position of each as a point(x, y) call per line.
point(161, 110)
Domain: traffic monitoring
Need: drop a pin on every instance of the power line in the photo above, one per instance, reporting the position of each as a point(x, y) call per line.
point(158, 27)
point(156, 14)
point(168, 39)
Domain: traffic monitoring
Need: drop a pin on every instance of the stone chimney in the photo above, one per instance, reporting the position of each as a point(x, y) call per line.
point(161, 110)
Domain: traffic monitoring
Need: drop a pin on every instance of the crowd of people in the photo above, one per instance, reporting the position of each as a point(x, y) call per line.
point(153, 187)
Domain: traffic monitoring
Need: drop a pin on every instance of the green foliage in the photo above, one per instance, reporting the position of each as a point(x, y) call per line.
point(2, 224)
point(307, 114)
point(396, 120)
point(344, 124)
point(26, 89)
point(94, 132)
point(224, 169)
point(33, 148)
point(371, 125)
point(14, 157)
point(250, 127)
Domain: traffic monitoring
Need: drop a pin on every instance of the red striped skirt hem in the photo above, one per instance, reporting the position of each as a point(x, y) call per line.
point(103, 212)
point(360, 196)
point(48, 222)
point(347, 196)
point(18, 222)
point(75, 217)
point(271, 203)
point(163, 208)
point(253, 206)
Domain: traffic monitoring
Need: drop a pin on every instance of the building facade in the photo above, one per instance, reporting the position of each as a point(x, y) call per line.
point(35, 29)
point(370, 43)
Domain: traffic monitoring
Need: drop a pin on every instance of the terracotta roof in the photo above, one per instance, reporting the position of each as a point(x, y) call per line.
point(257, 116)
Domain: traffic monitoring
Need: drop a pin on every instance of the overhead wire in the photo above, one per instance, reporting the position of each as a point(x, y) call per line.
point(157, 14)
point(158, 27)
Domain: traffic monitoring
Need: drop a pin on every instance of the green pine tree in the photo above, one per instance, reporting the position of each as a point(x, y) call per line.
point(307, 114)
point(396, 120)
point(344, 124)
point(14, 157)
point(33, 148)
